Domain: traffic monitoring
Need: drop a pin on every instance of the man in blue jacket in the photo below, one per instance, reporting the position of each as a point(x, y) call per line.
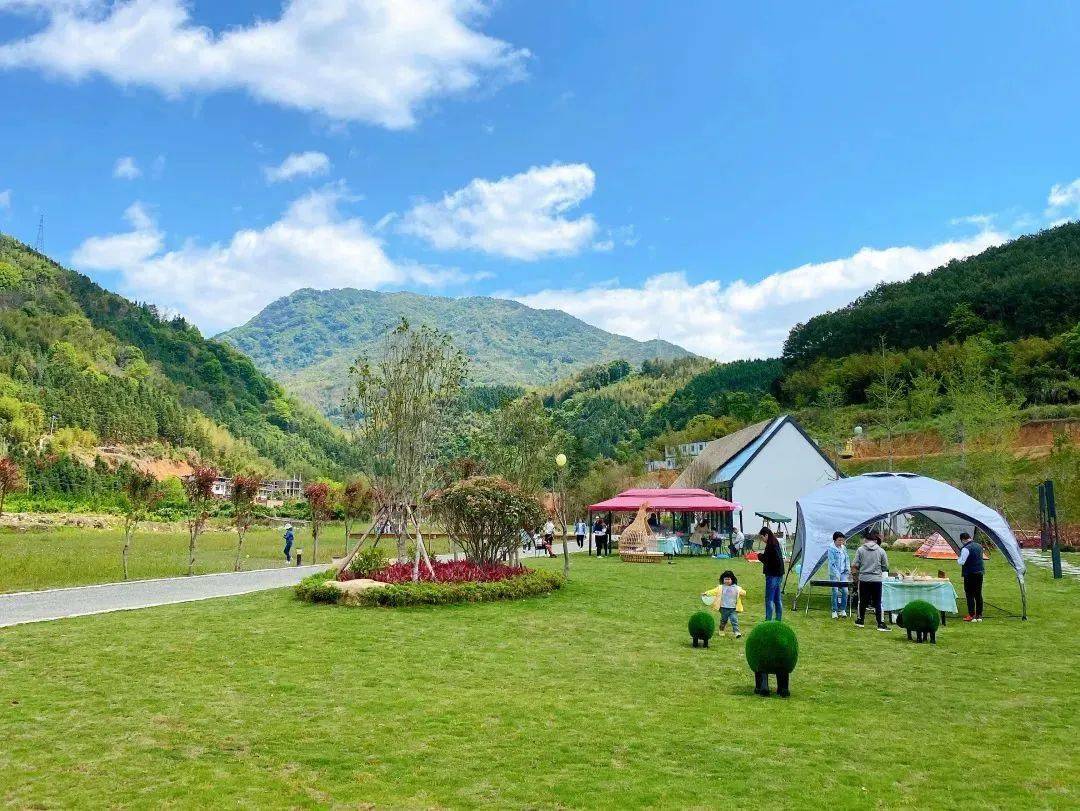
point(971, 565)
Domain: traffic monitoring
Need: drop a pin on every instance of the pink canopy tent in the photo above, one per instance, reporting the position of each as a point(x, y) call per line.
point(673, 500)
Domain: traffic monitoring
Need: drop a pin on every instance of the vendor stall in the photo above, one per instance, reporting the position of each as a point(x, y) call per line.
point(683, 503)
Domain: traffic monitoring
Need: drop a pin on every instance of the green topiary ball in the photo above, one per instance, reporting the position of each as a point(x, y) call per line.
point(772, 647)
point(919, 615)
point(702, 626)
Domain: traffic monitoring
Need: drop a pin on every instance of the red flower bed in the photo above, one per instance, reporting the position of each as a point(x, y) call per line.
point(452, 571)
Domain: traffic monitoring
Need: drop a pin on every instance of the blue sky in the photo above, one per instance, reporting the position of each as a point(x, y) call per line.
point(705, 172)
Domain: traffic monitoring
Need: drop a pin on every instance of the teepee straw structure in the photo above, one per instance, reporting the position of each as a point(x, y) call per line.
point(636, 543)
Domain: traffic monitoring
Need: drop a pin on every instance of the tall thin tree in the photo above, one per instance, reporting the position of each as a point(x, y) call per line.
point(245, 492)
point(317, 496)
point(354, 498)
point(11, 478)
point(399, 406)
point(199, 488)
point(141, 493)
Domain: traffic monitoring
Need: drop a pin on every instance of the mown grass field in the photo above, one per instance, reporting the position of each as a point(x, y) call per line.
point(591, 697)
point(68, 556)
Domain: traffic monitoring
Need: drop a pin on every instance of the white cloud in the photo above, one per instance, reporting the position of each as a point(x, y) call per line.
point(298, 164)
point(124, 250)
point(747, 319)
point(1064, 199)
point(520, 217)
point(5, 199)
point(378, 61)
point(220, 285)
point(126, 168)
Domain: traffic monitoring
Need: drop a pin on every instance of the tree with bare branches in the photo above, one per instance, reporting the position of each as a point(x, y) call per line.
point(11, 478)
point(399, 407)
point(245, 491)
point(199, 488)
point(141, 492)
point(317, 496)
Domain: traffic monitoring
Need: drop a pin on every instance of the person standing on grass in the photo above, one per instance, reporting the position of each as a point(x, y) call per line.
point(971, 566)
point(772, 566)
point(288, 543)
point(600, 535)
point(872, 564)
point(839, 569)
point(581, 529)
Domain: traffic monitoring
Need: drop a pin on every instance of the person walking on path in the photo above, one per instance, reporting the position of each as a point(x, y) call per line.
point(772, 566)
point(288, 543)
point(581, 529)
point(972, 567)
point(872, 564)
point(839, 569)
point(549, 537)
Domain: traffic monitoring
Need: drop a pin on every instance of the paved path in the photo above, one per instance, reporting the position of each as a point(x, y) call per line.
point(52, 604)
point(36, 606)
point(1042, 560)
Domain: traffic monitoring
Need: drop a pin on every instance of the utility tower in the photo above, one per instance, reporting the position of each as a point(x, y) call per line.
point(39, 243)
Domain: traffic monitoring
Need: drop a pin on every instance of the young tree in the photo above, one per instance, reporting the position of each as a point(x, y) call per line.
point(354, 498)
point(141, 493)
point(399, 407)
point(11, 478)
point(886, 396)
point(317, 496)
point(831, 424)
point(982, 423)
point(485, 515)
point(244, 492)
point(519, 443)
point(199, 489)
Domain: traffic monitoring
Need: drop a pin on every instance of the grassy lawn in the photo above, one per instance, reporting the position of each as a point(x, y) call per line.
point(68, 556)
point(588, 697)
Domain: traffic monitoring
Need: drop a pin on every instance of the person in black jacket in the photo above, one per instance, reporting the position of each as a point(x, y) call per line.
point(772, 566)
point(971, 565)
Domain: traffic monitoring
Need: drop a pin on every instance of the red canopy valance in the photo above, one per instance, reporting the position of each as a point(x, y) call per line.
point(669, 500)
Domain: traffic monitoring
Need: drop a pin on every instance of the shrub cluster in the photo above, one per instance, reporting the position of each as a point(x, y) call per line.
point(450, 571)
point(317, 588)
point(529, 584)
point(365, 564)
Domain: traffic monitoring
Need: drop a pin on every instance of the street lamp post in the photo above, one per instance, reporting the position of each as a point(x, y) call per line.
point(560, 468)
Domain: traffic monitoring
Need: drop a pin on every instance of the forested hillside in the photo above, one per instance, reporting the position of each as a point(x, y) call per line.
point(80, 366)
point(308, 340)
point(1029, 287)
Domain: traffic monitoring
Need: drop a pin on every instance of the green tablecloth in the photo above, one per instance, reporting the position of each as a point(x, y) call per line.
point(895, 594)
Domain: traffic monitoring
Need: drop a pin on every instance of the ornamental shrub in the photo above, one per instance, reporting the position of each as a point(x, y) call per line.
point(319, 588)
point(484, 515)
point(772, 647)
point(529, 584)
point(365, 564)
point(919, 616)
point(702, 626)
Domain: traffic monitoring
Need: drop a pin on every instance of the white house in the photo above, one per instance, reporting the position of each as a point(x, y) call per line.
point(764, 467)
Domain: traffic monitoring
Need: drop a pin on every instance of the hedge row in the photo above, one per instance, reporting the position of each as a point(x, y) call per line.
point(317, 589)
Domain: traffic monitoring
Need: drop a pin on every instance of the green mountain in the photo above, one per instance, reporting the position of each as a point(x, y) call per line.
point(308, 340)
point(78, 358)
point(1027, 287)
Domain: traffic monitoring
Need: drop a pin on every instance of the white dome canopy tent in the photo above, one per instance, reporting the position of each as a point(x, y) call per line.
point(851, 505)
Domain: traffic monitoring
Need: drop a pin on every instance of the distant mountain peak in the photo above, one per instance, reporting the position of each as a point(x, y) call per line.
point(309, 338)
